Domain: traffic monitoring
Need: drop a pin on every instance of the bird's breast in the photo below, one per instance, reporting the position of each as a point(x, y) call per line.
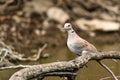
point(73, 48)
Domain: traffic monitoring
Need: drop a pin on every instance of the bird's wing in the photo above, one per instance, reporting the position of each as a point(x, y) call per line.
point(84, 45)
point(80, 45)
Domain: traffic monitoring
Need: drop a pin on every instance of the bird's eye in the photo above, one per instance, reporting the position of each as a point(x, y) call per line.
point(68, 25)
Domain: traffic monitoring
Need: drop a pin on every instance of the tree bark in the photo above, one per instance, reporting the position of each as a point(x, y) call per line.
point(62, 68)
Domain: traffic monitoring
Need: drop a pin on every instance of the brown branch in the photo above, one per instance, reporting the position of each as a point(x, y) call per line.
point(104, 66)
point(106, 78)
point(29, 58)
point(3, 55)
point(6, 52)
point(6, 8)
point(56, 67)
point(15, 67)
point(114, 9)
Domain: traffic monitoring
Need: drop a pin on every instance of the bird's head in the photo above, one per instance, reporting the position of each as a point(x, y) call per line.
point(67, 26)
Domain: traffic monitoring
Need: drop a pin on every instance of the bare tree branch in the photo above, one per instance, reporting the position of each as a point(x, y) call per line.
point(29, 58)
point(56, 67)
point(104, 66)
point(15, 67)
point(7, 52)
point(106, 78)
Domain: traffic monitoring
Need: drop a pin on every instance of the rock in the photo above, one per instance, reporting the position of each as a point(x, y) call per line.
point(97, 24)
point(38, 6)
point(37, 32)
point(79, 11)
point(57, 14)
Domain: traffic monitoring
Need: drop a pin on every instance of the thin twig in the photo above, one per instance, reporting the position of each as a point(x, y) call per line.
point(108, 78)
point(15, 67)
point(104, 66)
point(29, 58)
point(39, 52)
point(4, 54)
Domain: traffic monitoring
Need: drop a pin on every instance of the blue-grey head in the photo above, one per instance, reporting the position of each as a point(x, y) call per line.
point(67, 26)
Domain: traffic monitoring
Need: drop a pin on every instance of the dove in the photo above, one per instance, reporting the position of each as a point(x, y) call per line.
point(75, 43)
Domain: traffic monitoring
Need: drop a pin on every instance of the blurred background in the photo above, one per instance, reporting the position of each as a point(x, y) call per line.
point(28, 24)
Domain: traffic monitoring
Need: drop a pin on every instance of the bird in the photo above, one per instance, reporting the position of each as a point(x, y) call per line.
point(75, 43)
point(78, 45)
